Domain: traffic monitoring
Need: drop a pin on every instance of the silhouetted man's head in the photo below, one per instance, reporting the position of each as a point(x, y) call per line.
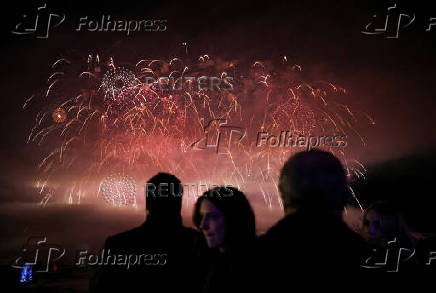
point(314, 180)
point(163, 196)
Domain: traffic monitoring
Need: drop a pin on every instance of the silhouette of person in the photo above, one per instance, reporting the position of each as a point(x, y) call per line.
point(383, 222)
point(386, 231)
point(312, 238)
point(168, 252)
point(227, 221)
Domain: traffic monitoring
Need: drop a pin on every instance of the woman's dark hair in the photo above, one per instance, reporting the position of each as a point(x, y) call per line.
point(401, 230)
point(237, 211)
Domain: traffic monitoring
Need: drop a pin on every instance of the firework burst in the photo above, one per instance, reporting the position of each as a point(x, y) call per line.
point(118, 190)
point(99, 119)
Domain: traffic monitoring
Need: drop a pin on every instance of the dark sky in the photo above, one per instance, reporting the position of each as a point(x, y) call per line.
point(392, 79)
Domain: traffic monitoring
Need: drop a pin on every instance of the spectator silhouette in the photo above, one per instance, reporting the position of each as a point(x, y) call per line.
point(170, 250)
point(227, 221)
point(386, 231)
point(383, 222)
point(312, 237)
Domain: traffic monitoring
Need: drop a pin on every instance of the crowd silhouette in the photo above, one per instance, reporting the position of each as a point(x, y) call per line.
point(224, 254)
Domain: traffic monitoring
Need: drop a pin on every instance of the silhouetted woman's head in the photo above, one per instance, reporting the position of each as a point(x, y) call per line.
point(225, 218)
point(383, 222)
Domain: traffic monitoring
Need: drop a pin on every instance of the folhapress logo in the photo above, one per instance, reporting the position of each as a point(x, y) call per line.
point(394, 21)
point(42, 21)
point(39, 254)
point(222, 145)
point(38, 24)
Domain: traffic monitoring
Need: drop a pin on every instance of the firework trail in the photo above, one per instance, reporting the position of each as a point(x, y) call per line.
point(106, 123)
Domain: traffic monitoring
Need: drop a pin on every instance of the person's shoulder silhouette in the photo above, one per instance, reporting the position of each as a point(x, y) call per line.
point(158, 256)
point(312, 238)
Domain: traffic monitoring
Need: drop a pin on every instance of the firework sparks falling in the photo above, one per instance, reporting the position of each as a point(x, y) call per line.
point(107, 119)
